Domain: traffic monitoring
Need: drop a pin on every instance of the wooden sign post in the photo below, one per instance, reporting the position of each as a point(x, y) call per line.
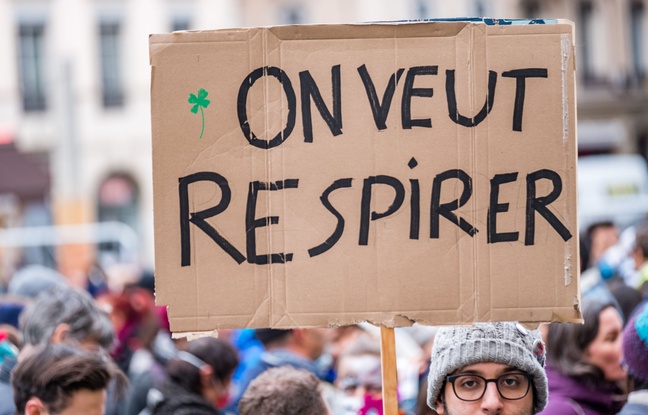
point(389, 372)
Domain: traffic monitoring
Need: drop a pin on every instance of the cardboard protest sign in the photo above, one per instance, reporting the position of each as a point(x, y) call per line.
point(326, 175)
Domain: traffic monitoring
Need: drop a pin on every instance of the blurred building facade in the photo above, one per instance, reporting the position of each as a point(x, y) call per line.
point(75, 79)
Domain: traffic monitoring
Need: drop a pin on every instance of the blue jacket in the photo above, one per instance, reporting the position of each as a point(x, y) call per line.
point(7, 406)
point(270, 359)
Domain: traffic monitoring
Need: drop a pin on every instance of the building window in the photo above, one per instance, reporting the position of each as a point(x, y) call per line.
point(585, 15)
point(636, 36)
point(531, 9)
point(180, 23)
point(292, 14)
point(422, 9)
point(118, 201)
point(480, 8)
point(31, 66)
point(111, 77)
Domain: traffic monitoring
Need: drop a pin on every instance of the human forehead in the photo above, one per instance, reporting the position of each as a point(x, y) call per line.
point(609, 319)
point(487, 369)
point(361, 364)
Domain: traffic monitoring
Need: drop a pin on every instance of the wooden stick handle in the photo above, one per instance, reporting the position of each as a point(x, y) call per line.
point(389, 372)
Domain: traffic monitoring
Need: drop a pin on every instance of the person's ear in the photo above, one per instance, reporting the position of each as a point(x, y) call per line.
point(299, 335)
point(206, 375)
point(440, 409)
point(440, 403)
point(34, 406)
point(60, 333)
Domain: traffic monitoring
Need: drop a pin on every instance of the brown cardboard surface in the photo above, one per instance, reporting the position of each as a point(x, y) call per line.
point(508, 182)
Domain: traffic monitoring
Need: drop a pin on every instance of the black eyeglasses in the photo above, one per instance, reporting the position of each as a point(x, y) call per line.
point(511, 386)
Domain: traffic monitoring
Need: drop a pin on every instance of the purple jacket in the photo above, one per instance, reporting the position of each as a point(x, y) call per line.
point(568, 396)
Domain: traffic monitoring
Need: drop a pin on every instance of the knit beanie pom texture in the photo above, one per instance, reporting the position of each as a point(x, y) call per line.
point(635, 345)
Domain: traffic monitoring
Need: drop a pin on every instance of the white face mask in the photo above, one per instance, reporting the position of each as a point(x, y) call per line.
point(349, 405)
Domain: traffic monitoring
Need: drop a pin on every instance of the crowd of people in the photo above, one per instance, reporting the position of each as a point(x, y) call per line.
point(106, 348)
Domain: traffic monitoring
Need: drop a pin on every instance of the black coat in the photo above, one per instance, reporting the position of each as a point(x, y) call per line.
point(179, 401)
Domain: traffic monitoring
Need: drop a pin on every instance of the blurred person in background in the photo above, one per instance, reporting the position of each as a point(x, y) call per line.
point(134, 323)
point(598, 275)
point(584, 363)
point(359, 379)
point(627, 299)
point(338, 340)
point(599, 238)
point(60, 315)
point(249, 350)
point(198, 379)
point(412, 386)
point(145, 344)
point(66, 314)
point(299, 348)
point(284, 391)
point(640, 255)
point(31, 280)
point(614, 276)
point(466, 360)
point(63, 380)
point(426, 340)
point(635, 357)
point(142, 328)
point(25, 285)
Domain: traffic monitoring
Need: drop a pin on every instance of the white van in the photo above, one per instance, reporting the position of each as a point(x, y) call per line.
point(612, 187)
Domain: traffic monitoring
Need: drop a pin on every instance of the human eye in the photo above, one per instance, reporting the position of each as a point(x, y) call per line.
point(470, 382)
point(512, 381)
point(611, 337)
point(348, 384)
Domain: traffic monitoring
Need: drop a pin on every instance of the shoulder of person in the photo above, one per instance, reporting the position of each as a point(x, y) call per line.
point(7, 406)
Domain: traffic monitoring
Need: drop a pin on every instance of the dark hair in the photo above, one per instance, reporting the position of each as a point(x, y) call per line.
point(53, 373)
point(568, 342)
point(628, 299)
point(217, 353)
point(597, 225)
point(71, 306)
point(634, 384)
point(272, 337)
point(283, 391)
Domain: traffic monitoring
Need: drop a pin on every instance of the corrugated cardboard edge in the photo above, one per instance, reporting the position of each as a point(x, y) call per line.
point(317, 31)
point(403, 321)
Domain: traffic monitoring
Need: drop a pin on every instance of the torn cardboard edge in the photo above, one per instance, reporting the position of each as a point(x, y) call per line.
point(194, 335)
point(322, 31)
point(534, 325)
point(401, 321)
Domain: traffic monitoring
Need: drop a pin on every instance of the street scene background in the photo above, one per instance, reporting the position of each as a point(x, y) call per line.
point(76, 193)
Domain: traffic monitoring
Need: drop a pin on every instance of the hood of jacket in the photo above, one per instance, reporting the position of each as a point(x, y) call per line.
point(605, 399)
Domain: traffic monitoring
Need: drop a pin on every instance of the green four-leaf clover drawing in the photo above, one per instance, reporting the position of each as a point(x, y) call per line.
point(200, 102)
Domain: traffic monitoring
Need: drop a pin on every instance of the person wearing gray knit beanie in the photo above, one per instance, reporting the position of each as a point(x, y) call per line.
point(466, 360)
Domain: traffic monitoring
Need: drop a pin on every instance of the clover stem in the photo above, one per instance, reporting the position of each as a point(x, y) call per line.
point(203, 122)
